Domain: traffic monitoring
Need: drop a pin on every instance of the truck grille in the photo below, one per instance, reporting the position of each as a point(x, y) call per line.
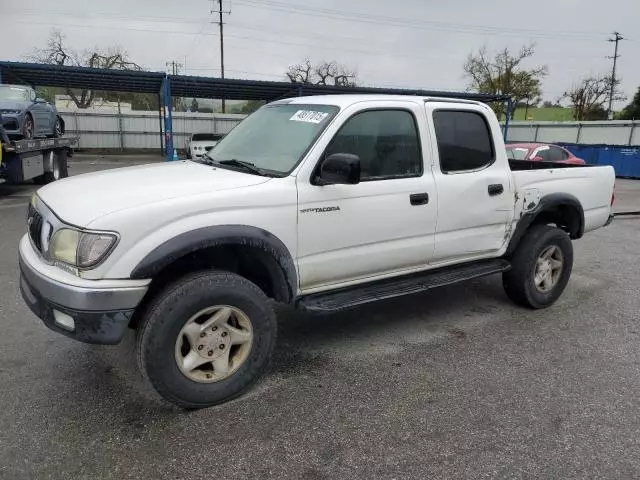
point(34, 226)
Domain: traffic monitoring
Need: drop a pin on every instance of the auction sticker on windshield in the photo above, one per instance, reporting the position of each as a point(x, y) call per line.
point(308, 116)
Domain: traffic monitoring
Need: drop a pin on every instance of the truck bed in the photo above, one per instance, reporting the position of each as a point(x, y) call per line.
point(591, 185)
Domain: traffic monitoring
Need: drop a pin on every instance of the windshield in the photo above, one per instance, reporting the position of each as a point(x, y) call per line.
point(200, 137)
point(517, 153)
point(275, 137)
point(8, 92)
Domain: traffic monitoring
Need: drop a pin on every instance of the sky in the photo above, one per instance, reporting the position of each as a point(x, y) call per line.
point(401, 43)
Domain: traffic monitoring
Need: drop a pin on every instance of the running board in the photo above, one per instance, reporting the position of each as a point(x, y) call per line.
point(396, 287)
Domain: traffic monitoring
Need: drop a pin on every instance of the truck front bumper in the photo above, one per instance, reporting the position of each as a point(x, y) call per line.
point(91, 311)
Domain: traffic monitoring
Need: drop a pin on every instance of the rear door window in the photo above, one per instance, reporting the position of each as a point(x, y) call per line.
point(544, 154)
point(464, 140)
point(556, 154)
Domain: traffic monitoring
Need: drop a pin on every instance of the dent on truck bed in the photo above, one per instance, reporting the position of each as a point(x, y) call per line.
point(214, 236)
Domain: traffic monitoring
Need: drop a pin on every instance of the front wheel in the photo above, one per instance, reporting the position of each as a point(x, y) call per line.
point(540, 267)
point(57, 128)
point(206, 339)
point(28, 127)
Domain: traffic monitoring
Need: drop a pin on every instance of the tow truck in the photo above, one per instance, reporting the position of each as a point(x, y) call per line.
point(42, 160)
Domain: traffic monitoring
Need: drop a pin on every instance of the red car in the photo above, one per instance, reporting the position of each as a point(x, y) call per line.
point(542, 152)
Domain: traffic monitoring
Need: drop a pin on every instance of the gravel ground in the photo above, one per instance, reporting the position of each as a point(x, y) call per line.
point(453, 383)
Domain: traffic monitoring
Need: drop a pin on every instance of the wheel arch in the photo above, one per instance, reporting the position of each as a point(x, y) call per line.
point(562, 209)
point(259, 254)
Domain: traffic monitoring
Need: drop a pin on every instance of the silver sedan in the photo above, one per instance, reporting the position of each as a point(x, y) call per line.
point(24, 115)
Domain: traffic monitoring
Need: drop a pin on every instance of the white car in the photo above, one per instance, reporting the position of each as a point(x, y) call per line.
point(201, 143)
point(324, 203)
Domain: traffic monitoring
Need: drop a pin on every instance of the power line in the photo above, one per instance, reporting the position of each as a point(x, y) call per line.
point(616, 39)
point(454, 28)
point(411, 23)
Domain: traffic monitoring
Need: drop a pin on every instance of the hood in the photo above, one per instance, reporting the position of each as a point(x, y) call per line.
point(85, 198)
point(14, 105)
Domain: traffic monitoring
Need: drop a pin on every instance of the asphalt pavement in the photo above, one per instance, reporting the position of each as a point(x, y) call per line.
point(454, 383)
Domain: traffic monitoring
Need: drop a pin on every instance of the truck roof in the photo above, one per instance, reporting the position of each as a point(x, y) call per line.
point(347, 100)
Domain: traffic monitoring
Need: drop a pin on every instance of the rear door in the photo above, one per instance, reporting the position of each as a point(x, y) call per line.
point(475, 185)
point(382, 226)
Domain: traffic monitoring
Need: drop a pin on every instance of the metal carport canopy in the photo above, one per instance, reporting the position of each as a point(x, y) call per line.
point(236, 89)
point(36, 74)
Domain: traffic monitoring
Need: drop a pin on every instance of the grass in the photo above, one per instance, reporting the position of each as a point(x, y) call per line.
point(552, 114)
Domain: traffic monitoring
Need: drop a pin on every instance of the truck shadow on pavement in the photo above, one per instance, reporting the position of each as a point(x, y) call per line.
point(308, 344)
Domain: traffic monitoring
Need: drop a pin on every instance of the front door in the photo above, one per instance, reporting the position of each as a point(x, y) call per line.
point(475, 188)
point(382, 226)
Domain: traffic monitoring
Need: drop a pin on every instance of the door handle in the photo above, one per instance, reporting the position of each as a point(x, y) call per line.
point(495, 189)
point(419, 198)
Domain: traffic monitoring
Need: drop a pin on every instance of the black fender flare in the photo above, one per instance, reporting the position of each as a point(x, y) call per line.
point(546, 204)
point(220, 235)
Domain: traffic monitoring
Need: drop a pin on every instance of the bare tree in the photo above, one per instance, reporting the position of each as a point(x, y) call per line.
point(323, 73)
point(502, 74)
point(589, 96)
point(300, 72)
point(57, 53)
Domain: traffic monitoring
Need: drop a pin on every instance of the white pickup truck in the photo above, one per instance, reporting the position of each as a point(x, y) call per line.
point(325, 203)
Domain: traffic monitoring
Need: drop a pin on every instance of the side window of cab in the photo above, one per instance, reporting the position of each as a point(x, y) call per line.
point(386, 141)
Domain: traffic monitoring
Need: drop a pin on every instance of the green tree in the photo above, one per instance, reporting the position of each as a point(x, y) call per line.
point(632, 111)
point(251, 106)
point(502, 73)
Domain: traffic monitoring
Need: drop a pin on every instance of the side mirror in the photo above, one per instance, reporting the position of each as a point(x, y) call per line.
point(538, 158)
point(339, 168)
point(40, 100)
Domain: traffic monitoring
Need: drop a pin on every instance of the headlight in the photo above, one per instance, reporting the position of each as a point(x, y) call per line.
point(80, 249)
point(13, 112)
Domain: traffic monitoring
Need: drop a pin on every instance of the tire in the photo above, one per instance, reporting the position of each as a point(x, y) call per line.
point(28, 127)
point(161, 329)
point(520, 283)
point(60, 169)
point(57, 128)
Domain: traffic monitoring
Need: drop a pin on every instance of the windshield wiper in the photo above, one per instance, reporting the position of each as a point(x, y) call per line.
point(248, 166)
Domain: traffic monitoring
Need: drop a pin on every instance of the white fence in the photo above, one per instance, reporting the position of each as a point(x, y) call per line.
point(617, 132)
point(140, 130)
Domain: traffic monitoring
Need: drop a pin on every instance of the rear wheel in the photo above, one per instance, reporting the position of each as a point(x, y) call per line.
point(28, 127)
point(59, 168)
point(206, 339)
point(540, 267)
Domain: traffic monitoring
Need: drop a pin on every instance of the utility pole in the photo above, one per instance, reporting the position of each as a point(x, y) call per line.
point(616, 40)
point(175, 67)
point(220, 12)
